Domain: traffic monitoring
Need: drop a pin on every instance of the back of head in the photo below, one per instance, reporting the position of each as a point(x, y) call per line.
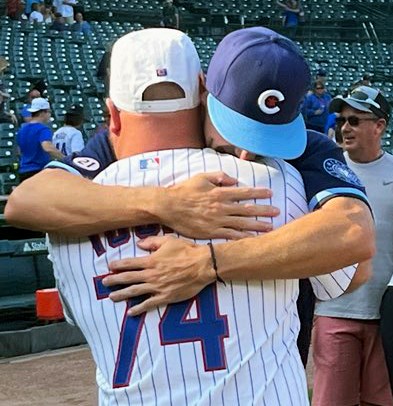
point(74, 116)
point(257, 80)
point(154, 92)
point(142, 59)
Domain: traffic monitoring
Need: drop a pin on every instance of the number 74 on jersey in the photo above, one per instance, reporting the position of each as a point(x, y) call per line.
point(175, 327)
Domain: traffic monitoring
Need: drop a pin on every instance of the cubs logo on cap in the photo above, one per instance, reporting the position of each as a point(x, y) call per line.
point(257, 80)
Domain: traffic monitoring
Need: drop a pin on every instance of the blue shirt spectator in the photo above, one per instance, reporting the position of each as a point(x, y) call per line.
point(80, 25)
point(316, 108)
point(35, 140)
point(24, 112)
point(33, 156)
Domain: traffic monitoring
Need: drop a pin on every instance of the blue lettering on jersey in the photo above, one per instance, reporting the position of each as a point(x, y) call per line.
point(116, 238)
point(341, 171)
point(147, 230)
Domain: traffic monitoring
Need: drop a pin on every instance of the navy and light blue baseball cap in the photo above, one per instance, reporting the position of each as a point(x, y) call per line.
point(257, 80)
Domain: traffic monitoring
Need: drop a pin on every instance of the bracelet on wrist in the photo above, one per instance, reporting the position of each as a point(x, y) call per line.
point(214, 263)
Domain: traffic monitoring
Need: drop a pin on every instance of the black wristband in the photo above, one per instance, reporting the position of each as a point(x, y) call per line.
point(214, 263)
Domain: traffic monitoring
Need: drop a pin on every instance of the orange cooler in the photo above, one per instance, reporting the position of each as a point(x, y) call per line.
point(48, 305)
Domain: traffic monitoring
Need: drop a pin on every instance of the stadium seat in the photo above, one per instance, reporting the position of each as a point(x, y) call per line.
point(8, 181)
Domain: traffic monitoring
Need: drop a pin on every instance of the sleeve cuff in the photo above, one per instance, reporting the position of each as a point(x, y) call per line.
point(322, 197)
point(62, 165)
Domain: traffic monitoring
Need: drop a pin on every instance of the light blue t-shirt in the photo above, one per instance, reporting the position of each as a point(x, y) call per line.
point(364, 302)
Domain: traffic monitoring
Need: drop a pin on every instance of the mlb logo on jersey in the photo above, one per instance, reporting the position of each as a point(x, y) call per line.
point(149, 164)
point(161, 72)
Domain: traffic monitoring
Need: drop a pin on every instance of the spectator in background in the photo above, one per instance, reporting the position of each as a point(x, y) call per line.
point(58, 24)
point(316, 107)
point(331, 129)
point(4, 64)
point(170, 15)
point(29, 6)
point(387, 328)
point(48, 14)
point(5, 116)
point(35, 141)
point(69, 139)
point(321, 76)
point(364, 81)
point(14, 9)
point(80, 25)
point(291, 13)
point(349, 362)
point(25, 112)
point(36, 15)
point(65, 7)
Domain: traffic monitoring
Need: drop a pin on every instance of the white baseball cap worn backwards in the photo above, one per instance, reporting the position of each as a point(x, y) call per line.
point(147, 57)
point(38, 104)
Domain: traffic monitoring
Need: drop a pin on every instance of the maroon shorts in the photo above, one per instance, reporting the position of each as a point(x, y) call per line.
point(349, 363)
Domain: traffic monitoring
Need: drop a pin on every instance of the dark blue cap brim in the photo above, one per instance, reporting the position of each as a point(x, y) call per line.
point(285, 141)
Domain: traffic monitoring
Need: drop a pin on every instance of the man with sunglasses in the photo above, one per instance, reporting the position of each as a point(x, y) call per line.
point(348, 353)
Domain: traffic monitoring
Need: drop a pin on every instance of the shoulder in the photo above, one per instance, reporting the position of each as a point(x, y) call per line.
point(91, 160)
point(318, 143)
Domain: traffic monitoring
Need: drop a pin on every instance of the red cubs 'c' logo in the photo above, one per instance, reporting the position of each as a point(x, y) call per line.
point(271, 102)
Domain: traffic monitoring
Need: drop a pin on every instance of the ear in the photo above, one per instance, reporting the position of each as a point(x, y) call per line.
point(115, 122)
point(382, 124)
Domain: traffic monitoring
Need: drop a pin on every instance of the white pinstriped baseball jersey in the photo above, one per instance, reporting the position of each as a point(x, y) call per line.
point(231, 345)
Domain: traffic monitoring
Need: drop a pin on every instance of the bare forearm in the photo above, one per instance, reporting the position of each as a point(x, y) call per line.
point(48, 147)
point(58, 202)
point(55, 154)
point(338, 235)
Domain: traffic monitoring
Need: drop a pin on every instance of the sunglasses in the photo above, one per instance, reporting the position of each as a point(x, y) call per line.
point(362, 97)
point(319, 88)
point(353, 121)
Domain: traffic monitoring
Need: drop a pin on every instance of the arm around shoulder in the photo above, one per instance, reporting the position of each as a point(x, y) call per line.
point(57, 201)
point(339, 234)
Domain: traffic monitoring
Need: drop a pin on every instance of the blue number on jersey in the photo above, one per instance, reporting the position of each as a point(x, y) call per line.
point(129, 336)
point(61, 146)
point(210, 328)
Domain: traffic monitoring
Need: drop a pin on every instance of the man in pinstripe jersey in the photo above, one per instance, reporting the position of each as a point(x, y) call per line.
point(199, 351)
